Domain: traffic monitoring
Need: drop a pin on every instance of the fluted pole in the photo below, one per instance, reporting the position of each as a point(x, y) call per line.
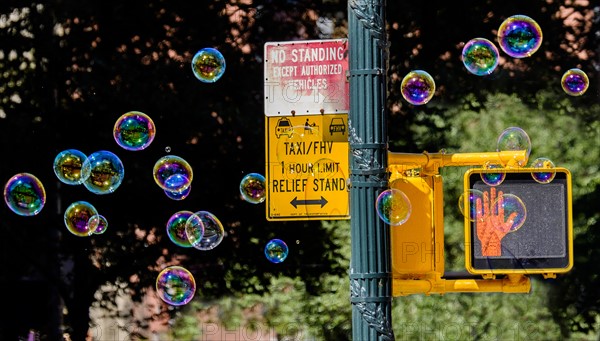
point(370, 266)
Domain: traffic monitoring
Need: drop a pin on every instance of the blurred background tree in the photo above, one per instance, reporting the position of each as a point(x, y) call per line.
point(70, 68)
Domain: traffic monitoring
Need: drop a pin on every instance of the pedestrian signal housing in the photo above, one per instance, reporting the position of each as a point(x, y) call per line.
point(519, 226)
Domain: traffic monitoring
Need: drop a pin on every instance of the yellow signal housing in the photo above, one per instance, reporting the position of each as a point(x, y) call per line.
point(418, 244)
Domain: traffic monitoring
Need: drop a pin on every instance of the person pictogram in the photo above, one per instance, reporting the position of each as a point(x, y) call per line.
point(309, 127)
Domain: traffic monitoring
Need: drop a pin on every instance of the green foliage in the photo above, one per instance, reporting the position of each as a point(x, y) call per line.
point(475, 317)
point(287, 309)
point(185, 328)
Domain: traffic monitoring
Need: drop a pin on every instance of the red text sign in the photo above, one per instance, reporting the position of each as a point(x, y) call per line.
point(306, 77)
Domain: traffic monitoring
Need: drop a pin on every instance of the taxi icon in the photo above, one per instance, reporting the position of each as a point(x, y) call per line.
point(284, 127)
point(337, 126)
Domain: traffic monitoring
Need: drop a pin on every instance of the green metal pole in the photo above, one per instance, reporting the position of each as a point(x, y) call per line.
point(370, 265)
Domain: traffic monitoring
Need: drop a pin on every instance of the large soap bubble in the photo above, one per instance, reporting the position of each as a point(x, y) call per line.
point(172, 173)
point(24, 194)
point(98, 224)
point(77, 218)
point(213, 231)
point(134, 130)
point(575, 82)
point(176, 229)
point(175, 285)
point(519, 36)
point(393, 207)
point(253, 188)
point(493, 179)
point(480, 56)
point(276, 251)
point(546, 171)
point(514, 139)
point(512, 209)
point(208, 65)
point(67, 167)
point(417, 87)
point(105, 171)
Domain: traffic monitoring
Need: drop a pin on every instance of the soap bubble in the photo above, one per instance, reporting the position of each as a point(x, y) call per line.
point(176, 229)
point(471, 196)
point(393, 207)
point(575, 82)
point(67, 167)
point(519, 36)
point(172, 173)
point(514, 139)
point(98, 224)
point(77, 218)
point(134, 131)
point(276, 251)
point(105, 171)
point(175, 285)
point(513, 208)
point(179, 195)
point(24, 194)
point(211, 226)
point(208, 65)
point(417, 87)
point(253, 188)
point(548, 174)
point(480, 56)
point(492, 179)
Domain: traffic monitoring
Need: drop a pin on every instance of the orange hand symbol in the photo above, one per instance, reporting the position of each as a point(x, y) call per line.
point(490, 224)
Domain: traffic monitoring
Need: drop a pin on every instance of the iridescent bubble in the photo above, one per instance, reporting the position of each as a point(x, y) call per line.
point(179, 195)
point(98, 224)
point(512, 209)
point(134, 130)
point(105, 171)
point(417, 87)
point(575, 82)
point(469, 198)
point(172, 173)
point(208, 65)
point(211, 227)
point(492, 179)
point(393, 207)
point(253, 188)
point(24, 194)
point(514, 139)
point(276, 251)
point(67, 166)
point(545, 164)
point(77, 218)
point(519, 36)
point(176, 229)
point(480, 56)
point(175, 285)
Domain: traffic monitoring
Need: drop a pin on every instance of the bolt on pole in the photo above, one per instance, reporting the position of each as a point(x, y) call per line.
point(370, 264)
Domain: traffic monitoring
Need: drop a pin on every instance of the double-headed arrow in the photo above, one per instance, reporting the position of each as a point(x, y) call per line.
point(295, 202)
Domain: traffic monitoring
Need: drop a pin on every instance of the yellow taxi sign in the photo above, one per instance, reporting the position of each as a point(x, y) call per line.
point(307, 167)
point(519, 225)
